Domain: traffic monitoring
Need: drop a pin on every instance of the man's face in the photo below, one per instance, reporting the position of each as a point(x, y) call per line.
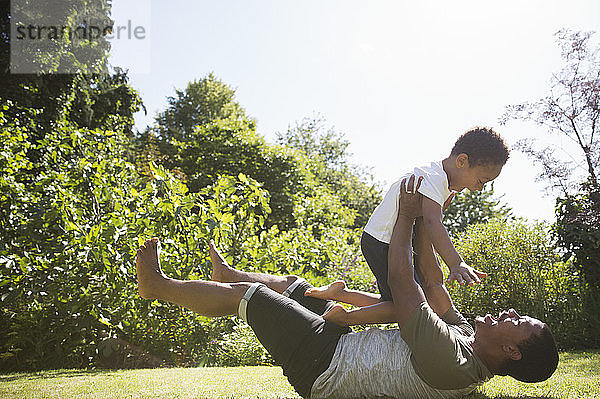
point(509, 326)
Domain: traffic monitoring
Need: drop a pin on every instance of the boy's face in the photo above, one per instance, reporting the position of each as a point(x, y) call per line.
point(474, 177)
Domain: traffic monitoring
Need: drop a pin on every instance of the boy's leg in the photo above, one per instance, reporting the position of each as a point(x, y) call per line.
point(208, 298)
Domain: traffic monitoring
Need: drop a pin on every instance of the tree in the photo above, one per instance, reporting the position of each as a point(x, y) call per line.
point(69, 39)
point(578, 218)
point(91, 97)
point(571, 110)
point(328, 159)
point(205, 133)
point(201, 102)
point(474, 207)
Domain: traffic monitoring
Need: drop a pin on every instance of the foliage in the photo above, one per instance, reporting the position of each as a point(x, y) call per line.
point(473, 207)
point(327, 158)
point(204, 133)
point(240, 348)
point(571, 110)
point(68, 241)
point(202, 102)
point(524, 272)
point(577, 230)
point(71, 223)
point(59, 52)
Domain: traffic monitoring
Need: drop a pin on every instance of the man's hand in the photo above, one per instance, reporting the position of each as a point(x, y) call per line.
point(465, 274)
point(411, 202)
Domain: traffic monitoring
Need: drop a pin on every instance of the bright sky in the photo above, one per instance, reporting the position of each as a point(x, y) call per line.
point(401, 79)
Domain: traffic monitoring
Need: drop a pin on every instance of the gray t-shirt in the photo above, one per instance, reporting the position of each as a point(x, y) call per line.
point(390, 363)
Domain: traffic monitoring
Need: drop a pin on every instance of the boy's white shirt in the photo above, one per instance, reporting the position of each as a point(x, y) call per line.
point(434, 186)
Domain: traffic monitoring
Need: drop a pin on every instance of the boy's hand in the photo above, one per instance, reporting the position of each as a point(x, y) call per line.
point(465, 274)
point(410, 202)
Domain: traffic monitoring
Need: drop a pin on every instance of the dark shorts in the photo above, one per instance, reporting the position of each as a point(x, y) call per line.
point(294, 333)
point(376, 255)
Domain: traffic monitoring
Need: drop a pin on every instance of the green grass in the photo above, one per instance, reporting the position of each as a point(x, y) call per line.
point(578, 376)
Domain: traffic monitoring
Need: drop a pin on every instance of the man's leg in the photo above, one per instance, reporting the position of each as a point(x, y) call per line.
point(293, 287)
point(208, 298)
point(299, 340)
point(224, 273)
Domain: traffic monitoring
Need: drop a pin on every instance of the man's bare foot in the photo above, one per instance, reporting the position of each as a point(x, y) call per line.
point(331, 292)
point(337, 314)
point(149, 275)
point(219, 264)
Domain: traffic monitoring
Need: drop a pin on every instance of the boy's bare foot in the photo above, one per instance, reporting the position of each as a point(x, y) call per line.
point(331, 292)
point(337, 314)
point(149, 275)
point(219, 264)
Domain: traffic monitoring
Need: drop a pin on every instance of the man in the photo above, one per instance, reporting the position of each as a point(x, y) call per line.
point(434, 354)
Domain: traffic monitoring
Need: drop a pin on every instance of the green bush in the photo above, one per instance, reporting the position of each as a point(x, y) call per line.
point(578, 231)
point(525, 272)
point(71, 223)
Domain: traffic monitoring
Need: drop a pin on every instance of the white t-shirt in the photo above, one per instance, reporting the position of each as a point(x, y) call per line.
point(433, 186)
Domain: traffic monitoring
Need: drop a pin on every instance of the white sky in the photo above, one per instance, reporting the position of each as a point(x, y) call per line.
point(401, 79)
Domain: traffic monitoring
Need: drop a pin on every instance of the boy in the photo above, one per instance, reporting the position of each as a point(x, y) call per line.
point(476, 158)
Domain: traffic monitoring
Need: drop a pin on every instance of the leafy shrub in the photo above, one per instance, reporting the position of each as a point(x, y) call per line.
point(577, 229)
point(240, 347)
point(525, 272)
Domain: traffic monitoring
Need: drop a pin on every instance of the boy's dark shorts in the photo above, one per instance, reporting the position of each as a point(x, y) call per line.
point(294, 333)
point(376, 255)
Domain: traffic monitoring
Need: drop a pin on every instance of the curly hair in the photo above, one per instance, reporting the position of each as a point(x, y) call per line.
point(483, 146)
point(539, 358)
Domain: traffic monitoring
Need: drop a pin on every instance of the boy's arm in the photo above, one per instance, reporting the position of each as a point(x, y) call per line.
point(438, 235)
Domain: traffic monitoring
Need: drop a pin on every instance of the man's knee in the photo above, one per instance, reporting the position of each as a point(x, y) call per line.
point(292, 282)
point(291, 279)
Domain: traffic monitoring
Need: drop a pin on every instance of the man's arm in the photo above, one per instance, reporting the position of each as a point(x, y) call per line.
point(406, 292)
point(430, 272)
point(432, 282)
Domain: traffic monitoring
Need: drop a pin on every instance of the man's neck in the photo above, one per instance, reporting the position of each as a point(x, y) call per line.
point(491, 361)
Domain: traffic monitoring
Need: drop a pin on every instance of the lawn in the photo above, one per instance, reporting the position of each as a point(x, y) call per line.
point(578, 376)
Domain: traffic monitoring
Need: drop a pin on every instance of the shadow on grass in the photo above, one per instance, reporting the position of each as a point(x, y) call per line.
point(54, 374)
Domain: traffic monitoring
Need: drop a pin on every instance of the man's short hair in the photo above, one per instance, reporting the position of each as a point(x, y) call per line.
point(539, 358)
point(483, 146)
